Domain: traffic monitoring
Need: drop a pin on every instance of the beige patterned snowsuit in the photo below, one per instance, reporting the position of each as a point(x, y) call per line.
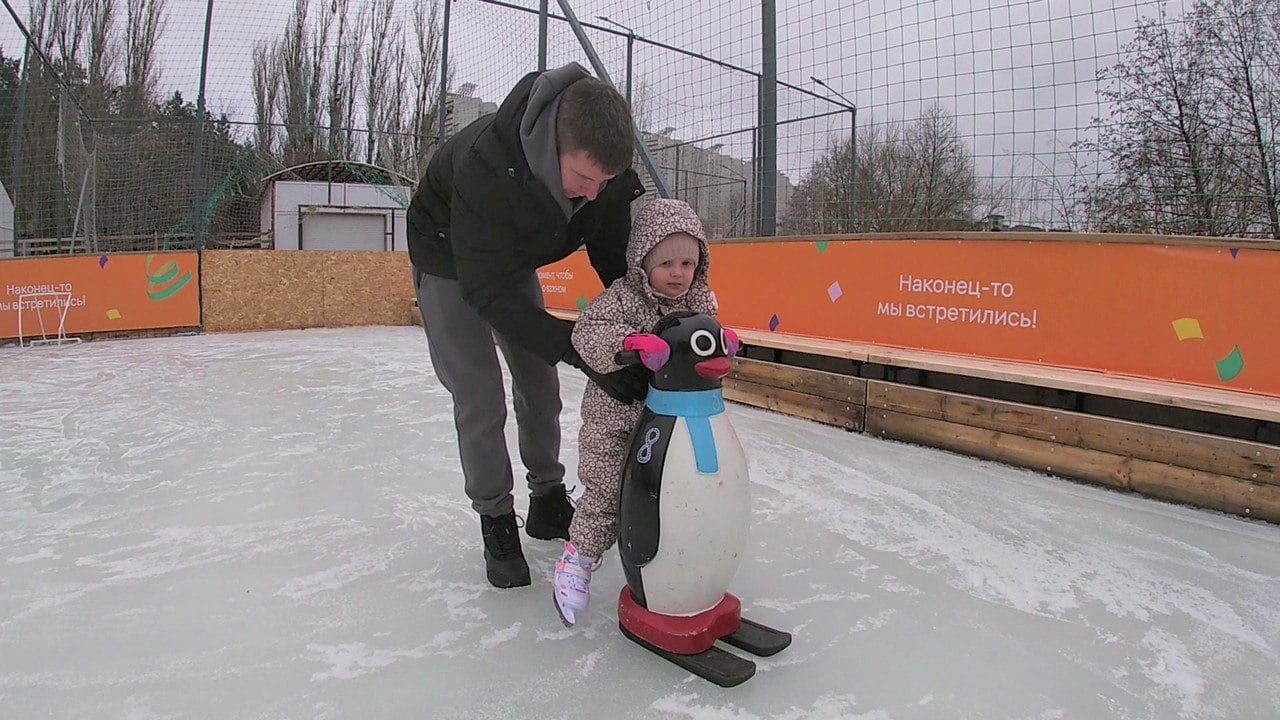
point(627, 306)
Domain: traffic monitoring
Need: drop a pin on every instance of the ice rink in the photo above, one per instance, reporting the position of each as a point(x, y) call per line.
point(272, 525)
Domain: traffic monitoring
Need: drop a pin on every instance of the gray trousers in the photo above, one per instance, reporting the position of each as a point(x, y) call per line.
point(462, 351)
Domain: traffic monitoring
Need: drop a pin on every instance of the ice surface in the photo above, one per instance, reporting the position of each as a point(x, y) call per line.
point(272, 525)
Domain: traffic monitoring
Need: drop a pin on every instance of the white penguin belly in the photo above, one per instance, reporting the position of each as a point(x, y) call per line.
point(702, 526)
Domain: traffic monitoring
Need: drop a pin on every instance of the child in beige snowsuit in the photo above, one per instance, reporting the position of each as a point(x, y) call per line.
point(666, 272)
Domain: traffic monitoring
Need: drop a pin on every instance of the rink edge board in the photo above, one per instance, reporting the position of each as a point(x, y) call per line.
point(824, 397)
point(1154, 480)
point(1144, 390)
point(1241, 459)
point(1231, 475)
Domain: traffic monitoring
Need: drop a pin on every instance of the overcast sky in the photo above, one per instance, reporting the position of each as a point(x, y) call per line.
point(1019, 76)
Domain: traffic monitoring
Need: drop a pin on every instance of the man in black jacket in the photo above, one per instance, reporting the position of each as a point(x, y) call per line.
point(511, 192)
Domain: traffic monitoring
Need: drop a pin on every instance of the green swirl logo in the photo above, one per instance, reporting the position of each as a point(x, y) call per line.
point(164, 280)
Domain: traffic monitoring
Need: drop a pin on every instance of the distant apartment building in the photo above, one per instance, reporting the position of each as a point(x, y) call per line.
point(720, 187)
point(461, 109)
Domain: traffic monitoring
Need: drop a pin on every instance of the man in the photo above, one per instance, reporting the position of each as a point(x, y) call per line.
point(511, 192)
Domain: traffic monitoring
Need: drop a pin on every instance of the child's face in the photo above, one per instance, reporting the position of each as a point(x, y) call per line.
point(673, 277)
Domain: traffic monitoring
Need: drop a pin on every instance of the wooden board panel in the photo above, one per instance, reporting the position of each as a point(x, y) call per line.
point(1194, 487)
point(366, 288)
point(1014, 236)
point(261, 290)
point(1156, 480)
point(834, 386)
point(1192, 397)
point(1064, 460)
point(1253, 461)
point(812, 407)
point(279, 289)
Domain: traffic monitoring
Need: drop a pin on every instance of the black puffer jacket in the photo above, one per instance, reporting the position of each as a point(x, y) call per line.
point(480, 215)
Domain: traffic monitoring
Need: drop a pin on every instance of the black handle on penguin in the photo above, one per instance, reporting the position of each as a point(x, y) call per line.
point(627, 357)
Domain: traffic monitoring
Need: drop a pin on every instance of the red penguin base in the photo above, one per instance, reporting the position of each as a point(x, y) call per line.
point(680, 634)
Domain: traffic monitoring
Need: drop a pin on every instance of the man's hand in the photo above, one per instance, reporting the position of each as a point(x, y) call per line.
point(626, 385)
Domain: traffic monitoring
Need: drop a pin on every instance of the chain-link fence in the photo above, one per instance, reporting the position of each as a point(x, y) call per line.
point(781, 116)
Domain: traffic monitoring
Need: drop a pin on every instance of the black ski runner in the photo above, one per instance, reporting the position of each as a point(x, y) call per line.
point(758, 639)
point(718, 665)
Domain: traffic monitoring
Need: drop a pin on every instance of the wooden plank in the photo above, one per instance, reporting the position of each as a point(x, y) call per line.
point(1053, 458)
point(1015, 236)
point(1242, 459)
point(842, 349)
point(823, 410)
point(1158, 392)
point(1157, 480)
point(833, 386)
point(1205, 489)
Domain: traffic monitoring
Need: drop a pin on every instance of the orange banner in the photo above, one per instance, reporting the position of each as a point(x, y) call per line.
point(99, 293)
point(1203, 315)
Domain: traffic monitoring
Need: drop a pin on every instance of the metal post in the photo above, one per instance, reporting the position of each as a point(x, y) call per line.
point(18, 132)
point(767, 160)
point(853, 151)
point(631, 41)
point(676, 194)
point(444, 74)
point(853, 169)
point(197, 217)
point(542, 35)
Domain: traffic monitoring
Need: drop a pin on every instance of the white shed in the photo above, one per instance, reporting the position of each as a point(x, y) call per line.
point(336, 205)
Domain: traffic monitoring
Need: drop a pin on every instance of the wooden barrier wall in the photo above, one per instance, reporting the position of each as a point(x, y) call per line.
point(1198, 311)
point(1241, 477)
point(284, 289)
point(267, 289)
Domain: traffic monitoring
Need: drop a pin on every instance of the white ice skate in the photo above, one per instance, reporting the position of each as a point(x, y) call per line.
point(571, 586)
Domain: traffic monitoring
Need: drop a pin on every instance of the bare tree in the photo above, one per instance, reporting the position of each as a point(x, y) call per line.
point(144, 25)
point(1246, 73)
point(297, 105)
point(917, 177)
point(1166, 140)
point(318, 66)
point(944, 187)
point(397, 146)
point(102, 57)
point(425, 72)
point(67, 21)
point(383, 36)
point(38, 23)
point(341, 86)
point(266, 91)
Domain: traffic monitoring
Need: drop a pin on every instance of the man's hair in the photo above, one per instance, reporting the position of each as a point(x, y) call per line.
point(595, 118)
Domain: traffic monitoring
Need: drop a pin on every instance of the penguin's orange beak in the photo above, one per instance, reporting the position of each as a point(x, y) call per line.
point(714, 368)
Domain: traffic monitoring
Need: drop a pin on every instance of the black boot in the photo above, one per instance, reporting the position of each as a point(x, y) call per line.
point(504, 563)
point(549, 515)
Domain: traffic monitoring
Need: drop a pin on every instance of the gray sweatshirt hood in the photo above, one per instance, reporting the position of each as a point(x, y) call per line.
point(538, 130)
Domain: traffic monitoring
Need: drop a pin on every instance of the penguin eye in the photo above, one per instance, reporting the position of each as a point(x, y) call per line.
point(703, 343)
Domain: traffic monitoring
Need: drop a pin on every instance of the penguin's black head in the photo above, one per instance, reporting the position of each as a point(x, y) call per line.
point(700, 352)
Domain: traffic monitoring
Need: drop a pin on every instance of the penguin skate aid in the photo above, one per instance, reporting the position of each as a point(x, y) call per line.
point(685, 506)
point(672, 467)
point(667, 262)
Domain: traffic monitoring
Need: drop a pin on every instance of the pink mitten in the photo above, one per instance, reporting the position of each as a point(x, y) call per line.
point(731, 342)
point(654, 351)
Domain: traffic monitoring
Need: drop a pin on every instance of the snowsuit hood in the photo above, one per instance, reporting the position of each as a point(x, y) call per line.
point(655, 221)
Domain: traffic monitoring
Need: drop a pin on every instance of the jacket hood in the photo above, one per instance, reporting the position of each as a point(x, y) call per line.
point(538, 129)
point(656, 220)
